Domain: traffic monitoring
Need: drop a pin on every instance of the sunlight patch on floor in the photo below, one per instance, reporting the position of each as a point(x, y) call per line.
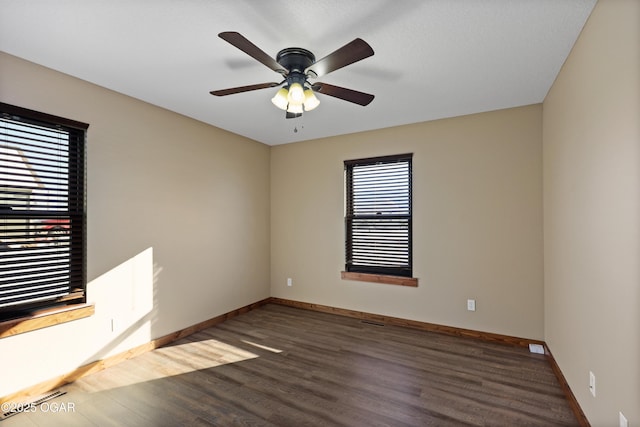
point(167, 362)
point(203, 355)
point(264, 347)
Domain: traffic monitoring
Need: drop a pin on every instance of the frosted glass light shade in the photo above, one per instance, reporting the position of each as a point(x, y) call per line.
point(310, 100)
point(296, 93)
point(295, 108)
point(280, 99)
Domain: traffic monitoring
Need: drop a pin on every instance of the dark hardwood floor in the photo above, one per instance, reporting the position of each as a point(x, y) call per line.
point(283, 366)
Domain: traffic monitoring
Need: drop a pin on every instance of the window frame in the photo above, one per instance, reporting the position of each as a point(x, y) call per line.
point(396, 274)
point(75, 194)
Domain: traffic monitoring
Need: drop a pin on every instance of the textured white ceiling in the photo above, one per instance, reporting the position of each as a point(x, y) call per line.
point(433, 58)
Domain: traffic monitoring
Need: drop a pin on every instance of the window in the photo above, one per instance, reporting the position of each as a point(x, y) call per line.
point(42, 211)
point(378, 215)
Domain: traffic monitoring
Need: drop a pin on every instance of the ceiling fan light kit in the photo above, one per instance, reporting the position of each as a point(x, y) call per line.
point(297, 66)
point(292, 98)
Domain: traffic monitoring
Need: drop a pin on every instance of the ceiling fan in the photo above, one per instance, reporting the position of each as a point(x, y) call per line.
point(297, 66)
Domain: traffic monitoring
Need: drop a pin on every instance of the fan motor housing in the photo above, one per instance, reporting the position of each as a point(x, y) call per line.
point(295, 59)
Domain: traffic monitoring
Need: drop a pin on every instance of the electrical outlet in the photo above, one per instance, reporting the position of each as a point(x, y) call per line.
point(592, 383)
point(471, 305)
point(623, 420)
point(289, 282)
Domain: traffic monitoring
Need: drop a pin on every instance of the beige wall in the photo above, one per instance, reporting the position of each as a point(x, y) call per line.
point(178, 223)
point(591, 136)
point(477, 198)
point(247, 212)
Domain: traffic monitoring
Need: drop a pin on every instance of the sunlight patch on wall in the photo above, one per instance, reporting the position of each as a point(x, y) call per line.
point(126, 301)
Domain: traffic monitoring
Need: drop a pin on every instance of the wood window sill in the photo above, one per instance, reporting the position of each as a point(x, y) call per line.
point(380, 278)
point(45, 318)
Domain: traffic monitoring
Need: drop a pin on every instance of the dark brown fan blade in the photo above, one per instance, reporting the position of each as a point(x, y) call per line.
point(239, 41)
point(348, 54)
point(231, 91)
point(350, 95)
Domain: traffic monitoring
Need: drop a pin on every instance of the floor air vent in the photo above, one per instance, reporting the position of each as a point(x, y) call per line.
point(371, 322)
point(10, 409)
point(536, 348)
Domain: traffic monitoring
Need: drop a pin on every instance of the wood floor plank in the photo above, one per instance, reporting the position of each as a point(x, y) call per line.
point(284, 366)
